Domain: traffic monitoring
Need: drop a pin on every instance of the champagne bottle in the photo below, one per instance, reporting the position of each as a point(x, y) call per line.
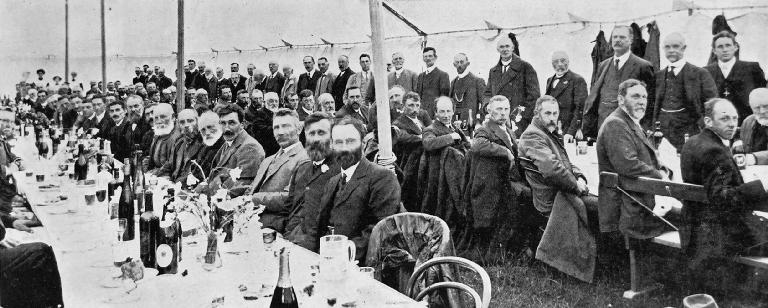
point(149, 227)
point(579, 134)
point(284, 296)
point(138, 179)
point(126, 209)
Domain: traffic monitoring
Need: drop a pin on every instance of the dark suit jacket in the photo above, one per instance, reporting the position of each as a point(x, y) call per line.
point(408, 80)
point(353, 209)
point(437, 136)
point(717, 229)
point(274, 84)
point(140, 79)
point(747, 133)
point(161, 150)
point(744, 77)
point(393, 115)
point(348, 111)
point(570, 93)
point(519, 84)
point(261, 130)
point(550, 158)
point(306, 82)
point(164, 82)
point(430, 87)
point(468, 97)
point(271, 184)
point(622, 148)
point(339, 86)
point(408, 149)
point(245, 152)
point(636, 68)
point(698, 85)
point(304, 194)
point(236, 87)
point(212, 88)
point(119, 136)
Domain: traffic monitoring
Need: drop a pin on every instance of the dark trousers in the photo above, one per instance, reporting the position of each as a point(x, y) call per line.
point(674, 126)
point(29, 277)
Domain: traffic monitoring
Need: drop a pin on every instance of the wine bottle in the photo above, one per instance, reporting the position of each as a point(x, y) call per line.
point(657, 134)
point(138, 179)
point(168, 254)
point(126, 209)
point(149, 227)
point(284, 296)
point(113, 184)
point(81, 164)
point(579, 133)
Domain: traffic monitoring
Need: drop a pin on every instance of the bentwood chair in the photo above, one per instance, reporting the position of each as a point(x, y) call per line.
point(464, 263)
point(452, 285)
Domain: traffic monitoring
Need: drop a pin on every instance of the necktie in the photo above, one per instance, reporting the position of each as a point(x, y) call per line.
point(504, 69)
point(672, 70)
point(617, 64)
point(555, 82)
point(343, 179)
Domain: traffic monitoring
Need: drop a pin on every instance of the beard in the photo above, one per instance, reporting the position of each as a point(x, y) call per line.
point(163, 129)
point(212, 139)
point(348, 158)
point(318, 150)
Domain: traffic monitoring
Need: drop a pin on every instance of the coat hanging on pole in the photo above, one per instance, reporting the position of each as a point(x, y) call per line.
point(515, 44)
point(652, 49)
point(638, 43)
point(600, 52)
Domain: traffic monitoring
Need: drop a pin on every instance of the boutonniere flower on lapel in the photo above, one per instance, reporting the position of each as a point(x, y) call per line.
point(235, 173)
point(565, 82)
point(324, 168)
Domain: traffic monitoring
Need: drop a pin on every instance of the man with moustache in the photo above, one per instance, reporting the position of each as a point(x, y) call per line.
point(354, 107)
point(735, 79)
point(289, 86)
point(163, 82)
point(307, 181)
point(441, 173)
point(495, 187)
point(140, 76)
point(200, 81)
point(340, 84)
point(201, 101)
point(256, 80)
point(361, 195)
point(243, 99)
point(408, 148)
point(166, 134)
point(210, 131)
point(119, 135)
point(308, 80)
point(362, 80)
point(187, 148)
point(139, 126)
point(225, 98)
point(623, 148)
point(402, 77)
point(754, 129)
point(275, 79)
point(307, 102)
point(261, 128)
point(433, 82)
point(257, 101)
point(681, 90)
point(713, 233)
point(602, 99)
point(238, 151)
point(212, 85)
point(85, 121)
point(325, 82)
point(466, 91)
point(569, 90)
point(326, 104)
point(270, 186)
point(515, 79)
point(237, 81)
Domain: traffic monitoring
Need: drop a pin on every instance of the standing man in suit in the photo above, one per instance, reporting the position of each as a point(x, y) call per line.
point(190, 74)
point(602, 100)
point(239, 150)
point(433, 82)
point(270, 186)
point(212, 87)
point(713, 233)
point(361, 195)
point(734, 78)
point(256, 81)
point(140, 76)
point(354, 107)
point(515, 79)
point(569, 90)
point(275, 79)
point(325, 82)
point(466, 91)
point(237, 81)
point(754, 129)
point(308, 80)
point(306, 186)
point(622, 148)
point(681, 90)
point(401, 76)
point(261, 129)
point(363, 79)
point(340, 84)
point(289, 86)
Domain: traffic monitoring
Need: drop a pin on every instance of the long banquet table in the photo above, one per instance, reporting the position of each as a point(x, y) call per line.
point(82, 238)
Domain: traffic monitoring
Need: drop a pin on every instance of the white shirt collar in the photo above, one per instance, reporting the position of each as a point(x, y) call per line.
point(305, 110)
point(290, 147)
point(506, 63)
point(349, 172)
point(319, 162)
point(310, 73)
point(229, 142)
point(399, 72)
point(416, 121)
point(726, 142)
point(622, 59)
point(99, 117)
point(431, 68)
point(678, 66)
point(726, 67)
point(464, 74)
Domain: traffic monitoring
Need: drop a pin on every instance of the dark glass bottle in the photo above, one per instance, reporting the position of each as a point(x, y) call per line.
point(149, 226)
point(657, 134)
point(81, 163)
point(739, 155)
point(112, 186)
point(284, 296)
point(138, 179)
point(168, 253)
point(126, 208)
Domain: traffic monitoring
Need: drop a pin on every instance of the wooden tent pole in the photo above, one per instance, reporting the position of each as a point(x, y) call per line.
point(380, 80)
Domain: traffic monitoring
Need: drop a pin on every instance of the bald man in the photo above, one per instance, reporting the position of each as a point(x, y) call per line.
point(186, 148)
point(754, 129)
point(569, 90)
point(681, 90)
point(401, 76)
point(166, 134)
point(514, 79)
point(466, 91)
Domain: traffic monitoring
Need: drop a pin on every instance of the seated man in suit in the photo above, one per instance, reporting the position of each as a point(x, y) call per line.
point(408, 147)
point(29, 274)
point(166, 135)
point(186, 148)
point(270, 187)
point(119, 135)
point(725, 227)
point(361, 195)
point(354, 107)
point(754, 129)
point(308, 179)
point(623, 148)
point(238, 151)
point(261, 127)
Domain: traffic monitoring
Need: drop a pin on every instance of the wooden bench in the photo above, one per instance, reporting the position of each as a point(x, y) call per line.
point(680, 191)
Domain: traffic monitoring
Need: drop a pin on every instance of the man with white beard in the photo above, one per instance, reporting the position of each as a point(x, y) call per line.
point(164, 139)
point(187, 147)
point(210, 133)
